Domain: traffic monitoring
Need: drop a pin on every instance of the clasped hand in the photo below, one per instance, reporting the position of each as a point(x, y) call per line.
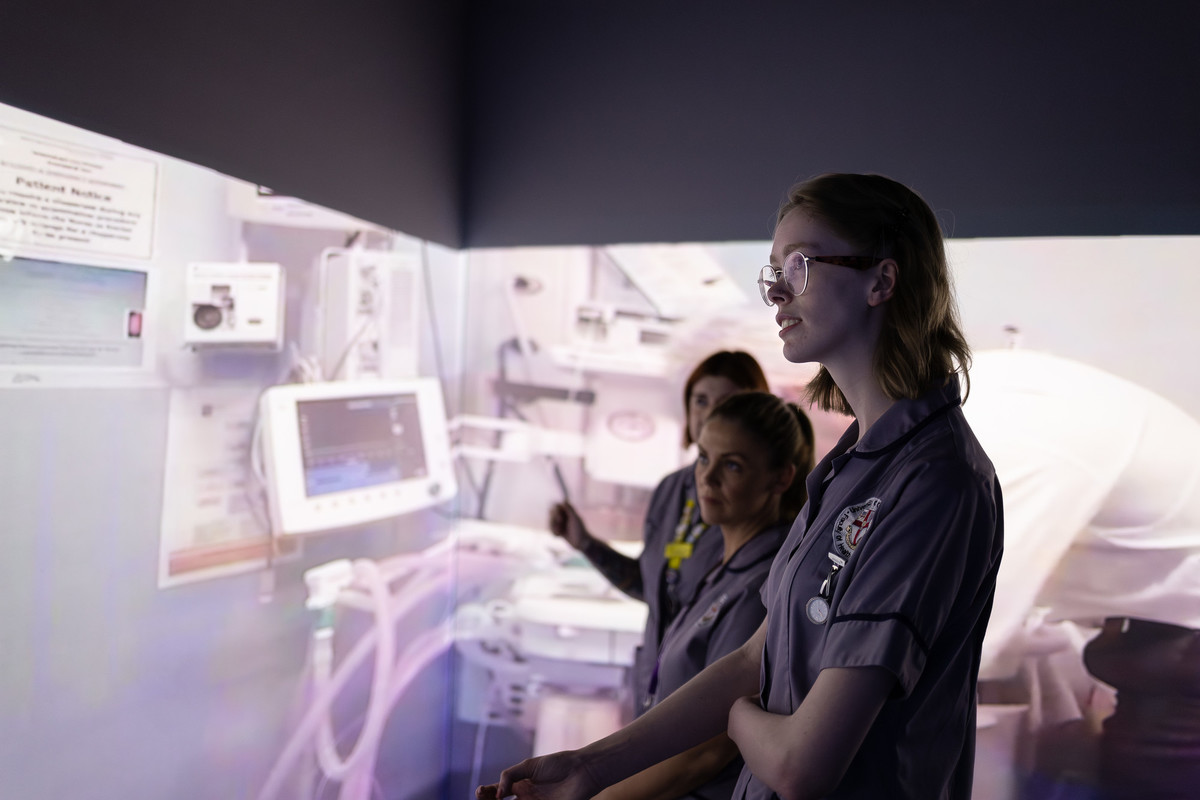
point(558, 776)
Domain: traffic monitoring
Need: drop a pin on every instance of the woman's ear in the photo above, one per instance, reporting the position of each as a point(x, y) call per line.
point(887, 272)
point(784, 479)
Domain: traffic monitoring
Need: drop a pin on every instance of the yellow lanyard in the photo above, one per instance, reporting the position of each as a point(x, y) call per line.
point(686, 534)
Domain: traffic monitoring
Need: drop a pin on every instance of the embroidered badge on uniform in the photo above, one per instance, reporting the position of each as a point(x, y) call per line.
point(852, 525)
point(711, 613)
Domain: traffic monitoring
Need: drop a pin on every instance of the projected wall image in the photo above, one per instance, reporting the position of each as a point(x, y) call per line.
point(200, 650)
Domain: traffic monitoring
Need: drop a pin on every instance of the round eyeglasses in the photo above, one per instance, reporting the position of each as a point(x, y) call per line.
point(795, 271)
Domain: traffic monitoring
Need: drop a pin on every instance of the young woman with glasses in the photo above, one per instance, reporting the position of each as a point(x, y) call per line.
point(860, 683)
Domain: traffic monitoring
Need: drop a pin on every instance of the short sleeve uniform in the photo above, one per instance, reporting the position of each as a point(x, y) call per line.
point(914, 509)
point(725, 612)
point(662, 520)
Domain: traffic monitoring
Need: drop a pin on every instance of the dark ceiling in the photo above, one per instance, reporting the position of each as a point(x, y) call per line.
point(492, 123)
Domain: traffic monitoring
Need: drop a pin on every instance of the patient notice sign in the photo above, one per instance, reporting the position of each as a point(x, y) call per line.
point(67, 198)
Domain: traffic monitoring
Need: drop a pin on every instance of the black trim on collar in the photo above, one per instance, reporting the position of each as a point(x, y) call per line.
point(780, 533)
point(754, 563)
point(903, 438)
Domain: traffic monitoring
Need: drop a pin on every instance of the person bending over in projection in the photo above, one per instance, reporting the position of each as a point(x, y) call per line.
point(860, 683)
point(1102, 498)
point(680, 547)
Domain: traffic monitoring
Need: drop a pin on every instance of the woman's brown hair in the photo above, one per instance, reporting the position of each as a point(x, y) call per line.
point(922, 343)
point(739, 368)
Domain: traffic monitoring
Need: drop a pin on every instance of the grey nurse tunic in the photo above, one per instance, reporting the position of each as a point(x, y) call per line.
point(915, 510)
point(725, 612)
point(662, 519)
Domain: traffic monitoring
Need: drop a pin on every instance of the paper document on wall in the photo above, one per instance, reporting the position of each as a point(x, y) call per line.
point(61, 197)
point(214, 518)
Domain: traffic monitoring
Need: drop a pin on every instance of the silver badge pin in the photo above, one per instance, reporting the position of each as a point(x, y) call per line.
point(817, 609)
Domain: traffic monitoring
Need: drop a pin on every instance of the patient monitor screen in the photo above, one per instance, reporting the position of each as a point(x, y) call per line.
point(360, 442)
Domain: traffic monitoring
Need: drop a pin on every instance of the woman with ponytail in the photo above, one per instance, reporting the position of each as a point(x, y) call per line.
point(754, 451)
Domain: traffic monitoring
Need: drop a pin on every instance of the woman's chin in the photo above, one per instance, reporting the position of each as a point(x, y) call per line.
point(796, 354)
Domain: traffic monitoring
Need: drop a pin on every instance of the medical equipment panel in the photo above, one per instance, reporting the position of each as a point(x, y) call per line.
point(234, 305)
point(369, 314)
point(343, 453)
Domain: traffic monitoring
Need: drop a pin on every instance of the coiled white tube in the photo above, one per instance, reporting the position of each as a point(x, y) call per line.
point(332, 764)
point(415, 657)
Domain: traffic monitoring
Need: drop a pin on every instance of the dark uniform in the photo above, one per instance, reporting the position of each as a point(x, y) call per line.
point(725, 612)
point(914, 512)
point(666, 590)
